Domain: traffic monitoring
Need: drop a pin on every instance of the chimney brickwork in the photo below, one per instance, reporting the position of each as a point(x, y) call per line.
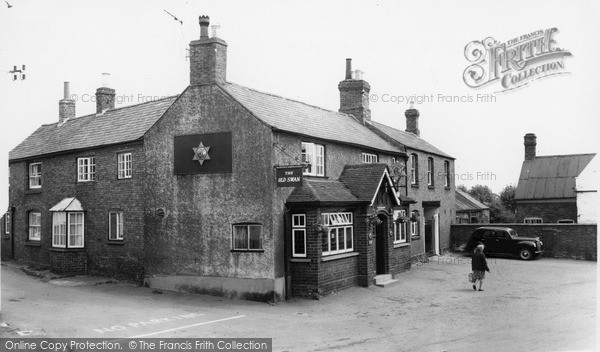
point(105, 99)
point(412, 121)
point(530, 142)
point(208, 57)
point(354, 96)
point(66, 106)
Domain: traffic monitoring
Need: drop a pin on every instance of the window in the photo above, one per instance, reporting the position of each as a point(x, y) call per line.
point(446, 174)
point(7, 223)
point(533, 220)
point(313, 155)
point(86, 169)
point(415, 225)
point(299, 235)
point(430, 172)
point(369, 158)
point(35, 175)
point(247, 237)
point(566, 221)
point(115, 225)
point(399, 227)
point(67, 229)
point(339, 238)
point(35, 226)
point(414, 169)
point(124, 165)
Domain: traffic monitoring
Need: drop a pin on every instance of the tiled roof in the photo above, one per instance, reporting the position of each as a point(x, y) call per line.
point(363, 179)
point(114, 126)
point(464, 201)
point(297, 117)
point(410, 140)
point(321, 191)
point(550, 177)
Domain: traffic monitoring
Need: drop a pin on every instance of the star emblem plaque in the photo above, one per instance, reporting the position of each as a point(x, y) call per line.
point(201, 153)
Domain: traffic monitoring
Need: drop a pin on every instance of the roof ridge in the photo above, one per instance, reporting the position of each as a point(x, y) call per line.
point(557, 155)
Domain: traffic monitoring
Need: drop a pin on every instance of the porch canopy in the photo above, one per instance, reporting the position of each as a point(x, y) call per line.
point(68, 204)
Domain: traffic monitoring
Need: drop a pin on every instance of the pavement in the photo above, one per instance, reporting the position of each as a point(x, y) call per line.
point(541, 305)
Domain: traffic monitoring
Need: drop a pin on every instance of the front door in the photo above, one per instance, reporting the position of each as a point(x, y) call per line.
point(380, 246)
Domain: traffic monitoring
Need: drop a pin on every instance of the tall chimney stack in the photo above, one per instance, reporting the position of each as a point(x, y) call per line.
point(208, 56)
point(530, 142)
point(354, 95)
point(66, 106)
point(105, 96)
point(412, 120)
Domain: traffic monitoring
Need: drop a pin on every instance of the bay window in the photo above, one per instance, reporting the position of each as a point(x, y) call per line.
point(339, 237)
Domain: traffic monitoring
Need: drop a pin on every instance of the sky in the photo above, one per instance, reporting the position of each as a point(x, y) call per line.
point(298, 50)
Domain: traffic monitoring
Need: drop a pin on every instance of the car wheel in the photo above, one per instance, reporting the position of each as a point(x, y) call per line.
point(525, 254)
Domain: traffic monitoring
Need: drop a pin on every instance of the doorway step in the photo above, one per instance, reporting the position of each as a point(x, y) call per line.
point(384, 280)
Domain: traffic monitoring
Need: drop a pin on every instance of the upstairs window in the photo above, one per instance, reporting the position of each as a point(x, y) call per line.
point(35, 175)
point(430, 172)
point(35, 226)
point(124, 165)
point(446, 174)
point(247, 237)
point(369, 158)
point(115, 225)
point(313, 156)
point(339, 238)
point(414, 169)
point(299, 235)
point(86, 169)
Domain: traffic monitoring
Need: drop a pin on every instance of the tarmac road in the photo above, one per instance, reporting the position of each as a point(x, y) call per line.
point(540, 305)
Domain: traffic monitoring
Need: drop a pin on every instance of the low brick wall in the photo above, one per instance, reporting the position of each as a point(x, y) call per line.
point(68, 261)
point(576, 241)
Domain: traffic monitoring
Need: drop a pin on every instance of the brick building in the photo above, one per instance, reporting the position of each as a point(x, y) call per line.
point(546, 191)
point(226, 190)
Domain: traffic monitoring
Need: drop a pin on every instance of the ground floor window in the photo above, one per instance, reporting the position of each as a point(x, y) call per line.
point(247, 237)
point(115, 225)
point(299, 235)
point(415, 223)
point(533, 220)
point(67, 229)
point(35, 226)
point(339, 237)
point(400, 226)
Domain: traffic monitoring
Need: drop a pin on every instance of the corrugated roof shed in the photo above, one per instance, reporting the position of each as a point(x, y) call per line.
point(409, 139)
point(114, 126)
point(550, 177)
point(465, 202)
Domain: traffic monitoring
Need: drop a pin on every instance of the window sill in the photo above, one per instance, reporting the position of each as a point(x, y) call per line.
point(416, 237)
point(447, 188)
point(300, 260)
point(401, 245)
point(414, 185)
point(33, 191)
point(430, 186)
point(33, 244)
point(115, 242)
point(339, 256)
point(247, 251)
point(56, 249)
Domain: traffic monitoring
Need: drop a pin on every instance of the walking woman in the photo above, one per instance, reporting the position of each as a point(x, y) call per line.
point(479, 267)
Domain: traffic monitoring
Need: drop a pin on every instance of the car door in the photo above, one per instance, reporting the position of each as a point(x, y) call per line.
point(490, 241)
point(503, 242)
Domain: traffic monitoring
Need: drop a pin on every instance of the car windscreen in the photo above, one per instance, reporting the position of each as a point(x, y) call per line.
point(512, 233)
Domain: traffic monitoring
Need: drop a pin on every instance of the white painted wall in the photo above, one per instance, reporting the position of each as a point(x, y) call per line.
point(586, 189)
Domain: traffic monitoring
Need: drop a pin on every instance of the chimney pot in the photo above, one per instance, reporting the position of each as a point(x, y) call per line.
point(348, 68)
point(67, 91)
point(66, 106)
point(204, 22)
point(530, 142)
point(208, 56)
point(215, 30)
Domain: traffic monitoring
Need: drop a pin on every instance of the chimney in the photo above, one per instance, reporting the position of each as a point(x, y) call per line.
point(530, 143)
point(354, 95)
point(105, 96)
point(412, 120)
point(66, 106)
point(208, 56)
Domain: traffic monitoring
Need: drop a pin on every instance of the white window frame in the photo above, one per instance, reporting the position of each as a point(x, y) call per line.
point(314, 155)
point(86, 169)
point(65, 233)
point(369, 158)
point(533, 220)
point(414, 225)
point(399, 228)
point(414, 169)
point(119, 225)
point(340, 226)
point(7, 223)
point(35, 226)
point(298, 229)
point(246, 247)
point(430, 171)
point(447, 174)
point(124, 165)
point(35, 175)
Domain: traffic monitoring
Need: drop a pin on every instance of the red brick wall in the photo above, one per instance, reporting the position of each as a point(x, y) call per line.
point(550, 212)
point(576, 241)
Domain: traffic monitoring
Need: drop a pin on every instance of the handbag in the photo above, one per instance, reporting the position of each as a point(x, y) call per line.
point(471, 278)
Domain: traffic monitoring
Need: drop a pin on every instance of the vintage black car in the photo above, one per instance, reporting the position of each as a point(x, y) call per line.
point(504, 240)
